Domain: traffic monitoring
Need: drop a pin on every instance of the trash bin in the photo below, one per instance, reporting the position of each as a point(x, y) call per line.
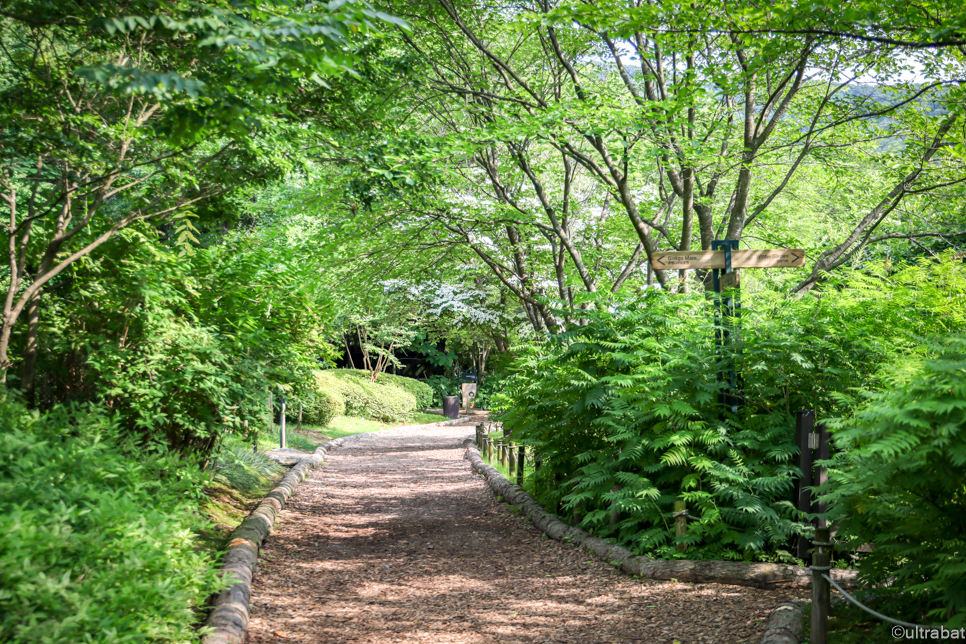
point(451, 406)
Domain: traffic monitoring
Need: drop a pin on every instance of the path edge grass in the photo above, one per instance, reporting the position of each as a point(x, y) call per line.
point(227, 622)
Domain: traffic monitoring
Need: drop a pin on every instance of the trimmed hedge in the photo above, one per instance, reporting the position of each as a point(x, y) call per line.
point(96, 540)
point(373, 400)
point(422, 392)
point(320, 406)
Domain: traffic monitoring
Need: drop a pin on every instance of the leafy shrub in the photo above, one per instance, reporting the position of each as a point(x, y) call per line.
point(899, 481)
point(442, 386)
point(422, 392)
point(366, 399)
point(95, 545)
point(174, 386)
point(319, 406)
point(624, 413)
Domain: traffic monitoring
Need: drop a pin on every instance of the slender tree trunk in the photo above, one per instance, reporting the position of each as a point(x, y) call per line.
point(4, 348)
point(348, 351)
point(29, 371)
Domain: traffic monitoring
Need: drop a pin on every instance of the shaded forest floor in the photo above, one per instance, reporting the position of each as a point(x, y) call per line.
point(395, 539)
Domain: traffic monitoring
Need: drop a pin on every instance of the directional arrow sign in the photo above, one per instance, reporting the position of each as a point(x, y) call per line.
point(765, 258)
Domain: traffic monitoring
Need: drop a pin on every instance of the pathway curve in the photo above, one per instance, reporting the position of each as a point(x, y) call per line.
point(395, 539)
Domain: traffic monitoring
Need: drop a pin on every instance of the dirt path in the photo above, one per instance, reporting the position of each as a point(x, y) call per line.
point(395, 539)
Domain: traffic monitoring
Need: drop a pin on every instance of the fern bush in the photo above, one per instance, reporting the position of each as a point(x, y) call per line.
point(623, 414)
point(899, 481)
point(623, 411)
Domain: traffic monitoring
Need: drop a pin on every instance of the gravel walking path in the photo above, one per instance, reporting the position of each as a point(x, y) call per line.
point(395, 539)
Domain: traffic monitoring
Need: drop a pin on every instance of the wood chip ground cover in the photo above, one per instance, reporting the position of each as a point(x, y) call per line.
point(395, 539)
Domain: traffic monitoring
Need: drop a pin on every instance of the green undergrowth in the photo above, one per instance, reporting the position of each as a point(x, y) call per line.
point(528, 478)
point(851, 625)
point(97, 535)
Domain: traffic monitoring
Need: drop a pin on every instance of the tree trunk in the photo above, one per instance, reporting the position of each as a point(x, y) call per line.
point(29, 371)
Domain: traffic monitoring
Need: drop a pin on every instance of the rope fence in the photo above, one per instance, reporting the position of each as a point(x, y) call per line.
point(822, 596)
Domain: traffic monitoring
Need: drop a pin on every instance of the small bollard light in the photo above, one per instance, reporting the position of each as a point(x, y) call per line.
point(281, 422)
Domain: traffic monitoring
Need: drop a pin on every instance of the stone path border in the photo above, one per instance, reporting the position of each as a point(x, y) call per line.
point(229, 615)
point(758, 575)
point(786, 624)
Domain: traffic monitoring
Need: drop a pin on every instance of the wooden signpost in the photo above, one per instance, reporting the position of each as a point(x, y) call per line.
point(724, 259)
point(768, 258)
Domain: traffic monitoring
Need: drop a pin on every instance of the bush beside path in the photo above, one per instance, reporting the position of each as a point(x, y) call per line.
point(397, 540)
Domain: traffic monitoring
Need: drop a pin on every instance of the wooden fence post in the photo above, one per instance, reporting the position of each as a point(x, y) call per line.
point(300, 416)
point(804, 424)
point(680, 522)
point(821, 593)
point(271, 411)
point(821, 475)
point(511, 459)
point(521, 461)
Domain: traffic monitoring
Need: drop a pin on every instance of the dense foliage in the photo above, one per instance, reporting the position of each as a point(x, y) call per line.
point(624, 414)
point(389, 399)
point(94, 545)
point(181, 346)
point(899, 481)
point(213, 205)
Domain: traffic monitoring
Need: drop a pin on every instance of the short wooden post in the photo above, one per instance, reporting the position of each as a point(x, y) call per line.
point(821, 593)
point(680, 522)
point(511, 458)
point(281, 422)
point(521, 460)
point(537, 464)
point(489, 449)
point(804, 424)
point(501, 453)
point(300, 416)
point(821, 475)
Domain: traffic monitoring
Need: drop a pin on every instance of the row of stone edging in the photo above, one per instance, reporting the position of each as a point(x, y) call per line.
point(758, 575)
point(786, 624)
point(228, 620)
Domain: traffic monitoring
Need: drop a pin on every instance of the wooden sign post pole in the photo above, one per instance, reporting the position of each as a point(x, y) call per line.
point(724, 259)
point(727, 314)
